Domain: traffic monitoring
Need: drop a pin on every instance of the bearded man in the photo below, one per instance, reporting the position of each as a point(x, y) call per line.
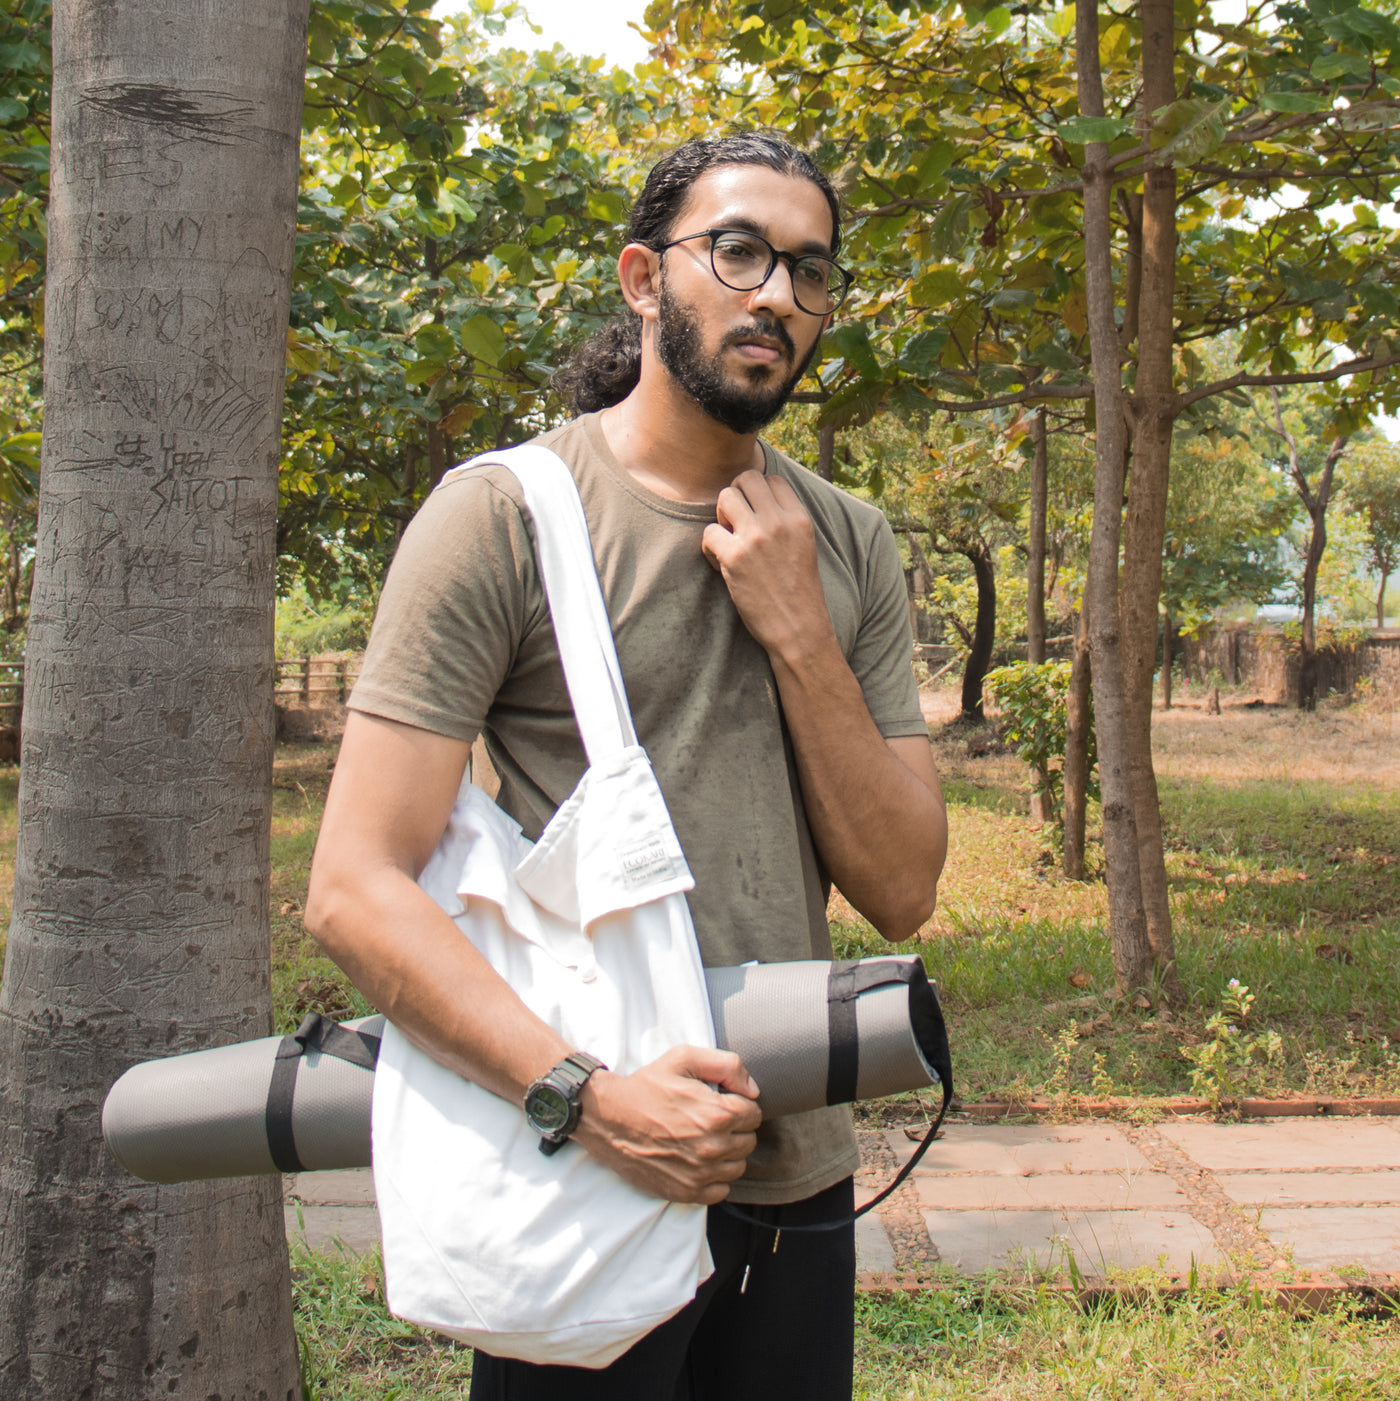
point(762, 628)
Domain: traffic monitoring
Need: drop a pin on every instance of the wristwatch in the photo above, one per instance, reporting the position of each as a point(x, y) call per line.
point(552, 1102)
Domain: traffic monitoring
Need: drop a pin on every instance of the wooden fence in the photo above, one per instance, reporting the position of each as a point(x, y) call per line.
point(11, 693)
point(315, 681)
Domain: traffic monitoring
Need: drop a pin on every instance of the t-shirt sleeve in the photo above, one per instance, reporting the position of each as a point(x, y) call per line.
point(883, 659)
point(454, 608)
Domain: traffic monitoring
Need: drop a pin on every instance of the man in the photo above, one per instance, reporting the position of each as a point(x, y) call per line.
point(762, 629)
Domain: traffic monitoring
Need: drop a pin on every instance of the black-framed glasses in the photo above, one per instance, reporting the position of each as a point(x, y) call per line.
point(743, 261)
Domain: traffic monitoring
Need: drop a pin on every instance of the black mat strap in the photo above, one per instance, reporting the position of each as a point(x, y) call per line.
point(842, 1042)
point(316, 1033)
point(281, 1142)
point(844, 984)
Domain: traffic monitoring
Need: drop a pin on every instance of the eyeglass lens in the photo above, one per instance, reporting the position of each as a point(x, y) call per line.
point(743, 261)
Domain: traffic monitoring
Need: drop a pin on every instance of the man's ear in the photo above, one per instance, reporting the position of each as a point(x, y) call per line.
point(639, 276)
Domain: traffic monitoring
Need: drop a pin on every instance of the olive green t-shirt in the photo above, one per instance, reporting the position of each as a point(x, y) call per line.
point(463, 644)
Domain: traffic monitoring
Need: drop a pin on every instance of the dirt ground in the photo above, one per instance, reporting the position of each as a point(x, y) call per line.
point(1246, 741)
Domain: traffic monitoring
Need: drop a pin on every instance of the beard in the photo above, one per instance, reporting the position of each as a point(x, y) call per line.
point(744, 403)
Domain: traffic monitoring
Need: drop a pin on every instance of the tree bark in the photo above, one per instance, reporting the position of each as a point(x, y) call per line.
point(826, 453)
point(1315, 499)
point(1078, 723)
point(1035, 556)
point(1145, 521)
point(1035, 593)
point(141, 876)
point(1380, 601)
point(1132, 958)
point(984, 631)
point(1167, 631)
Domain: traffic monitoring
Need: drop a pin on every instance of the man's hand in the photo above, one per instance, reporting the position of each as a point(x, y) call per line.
point(766, 548)
point(680, 1128)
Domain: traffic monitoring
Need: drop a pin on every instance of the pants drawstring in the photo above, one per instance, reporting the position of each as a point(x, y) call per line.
point(753, 1242)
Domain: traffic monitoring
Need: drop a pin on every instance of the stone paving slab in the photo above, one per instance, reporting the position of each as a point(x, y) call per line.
point(1100, 1241)
point(1105, 1191)
point(1284, 1189)
point(1016, 1150)
point(354, 1229)
point(1289, 1143)
point(348, 1187)
point(1337, 1237)
point(999, 1196)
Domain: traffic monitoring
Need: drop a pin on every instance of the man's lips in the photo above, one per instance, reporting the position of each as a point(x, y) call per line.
point(765, 347)
point(753, 350)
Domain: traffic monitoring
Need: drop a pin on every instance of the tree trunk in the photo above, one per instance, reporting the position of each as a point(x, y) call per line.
point(984, 632)
point(1380, 601)
point(826, 453)
point(1167, 631)
point(1035, 556)
point(141, 876)
point(1079, 720)
point(1035, 594)
point(1315, 501)
point(1144, 527)
point(1312, 563)
point(1132, 957)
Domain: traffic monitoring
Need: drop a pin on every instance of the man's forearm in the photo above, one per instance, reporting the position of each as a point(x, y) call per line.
point(878, 822)
point(413, 963)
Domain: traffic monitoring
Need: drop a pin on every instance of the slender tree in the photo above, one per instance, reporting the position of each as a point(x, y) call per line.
point(141, 894)
point(1315, 481)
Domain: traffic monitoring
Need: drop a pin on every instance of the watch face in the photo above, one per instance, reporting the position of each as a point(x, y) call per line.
point(547, 1108)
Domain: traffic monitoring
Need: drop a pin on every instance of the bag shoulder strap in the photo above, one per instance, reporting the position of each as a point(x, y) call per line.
point(582, 628)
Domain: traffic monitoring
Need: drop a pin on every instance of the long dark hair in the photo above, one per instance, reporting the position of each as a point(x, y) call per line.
point(605, 368)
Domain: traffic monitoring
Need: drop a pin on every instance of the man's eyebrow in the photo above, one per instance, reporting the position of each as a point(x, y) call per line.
point(746, 225)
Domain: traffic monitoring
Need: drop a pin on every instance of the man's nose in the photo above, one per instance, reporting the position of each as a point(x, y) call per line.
point(776, 292)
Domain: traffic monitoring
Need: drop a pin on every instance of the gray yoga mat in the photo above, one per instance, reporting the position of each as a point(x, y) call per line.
point(810, 1034)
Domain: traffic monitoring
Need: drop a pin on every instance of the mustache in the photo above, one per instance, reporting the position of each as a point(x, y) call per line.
point(768, 330)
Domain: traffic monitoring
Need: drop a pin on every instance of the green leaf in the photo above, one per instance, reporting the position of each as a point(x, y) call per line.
point(23, 57)
point(851, 341)
point(1062, 22)
point(12, 110)
point(442, 83)
point(1079, 131)
point(920, 355)
point(483, 338)
point(996, 22)
point(1189, 128)
point(607, 205)
point(856, 404)
point(938, 285)
point(434, 342)
point(1336, 65)
point(1293, 103)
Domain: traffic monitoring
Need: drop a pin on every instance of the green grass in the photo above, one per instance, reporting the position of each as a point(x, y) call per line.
point(955, 1342)
point(1279, 878)
point(352, 1349)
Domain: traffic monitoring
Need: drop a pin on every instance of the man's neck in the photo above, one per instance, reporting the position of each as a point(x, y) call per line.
point(672, 446)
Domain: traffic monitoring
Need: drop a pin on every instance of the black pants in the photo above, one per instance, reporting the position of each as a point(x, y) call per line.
point(788, 1336)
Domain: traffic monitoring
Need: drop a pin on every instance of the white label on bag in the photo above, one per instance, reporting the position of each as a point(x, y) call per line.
point(646, 863)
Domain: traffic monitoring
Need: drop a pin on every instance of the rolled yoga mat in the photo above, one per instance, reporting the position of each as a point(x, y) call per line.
point(809, 1033)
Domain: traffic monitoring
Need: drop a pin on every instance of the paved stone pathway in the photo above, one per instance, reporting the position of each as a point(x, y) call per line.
point(1283, 1196)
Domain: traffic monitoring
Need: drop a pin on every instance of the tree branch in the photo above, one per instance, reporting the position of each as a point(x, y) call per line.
point(1242, 380)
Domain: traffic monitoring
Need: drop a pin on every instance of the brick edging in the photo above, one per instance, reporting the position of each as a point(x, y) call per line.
point(1321, 1107)
point(1305, 1296)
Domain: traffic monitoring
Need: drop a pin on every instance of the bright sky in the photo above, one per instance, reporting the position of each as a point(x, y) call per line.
point(592, 27)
